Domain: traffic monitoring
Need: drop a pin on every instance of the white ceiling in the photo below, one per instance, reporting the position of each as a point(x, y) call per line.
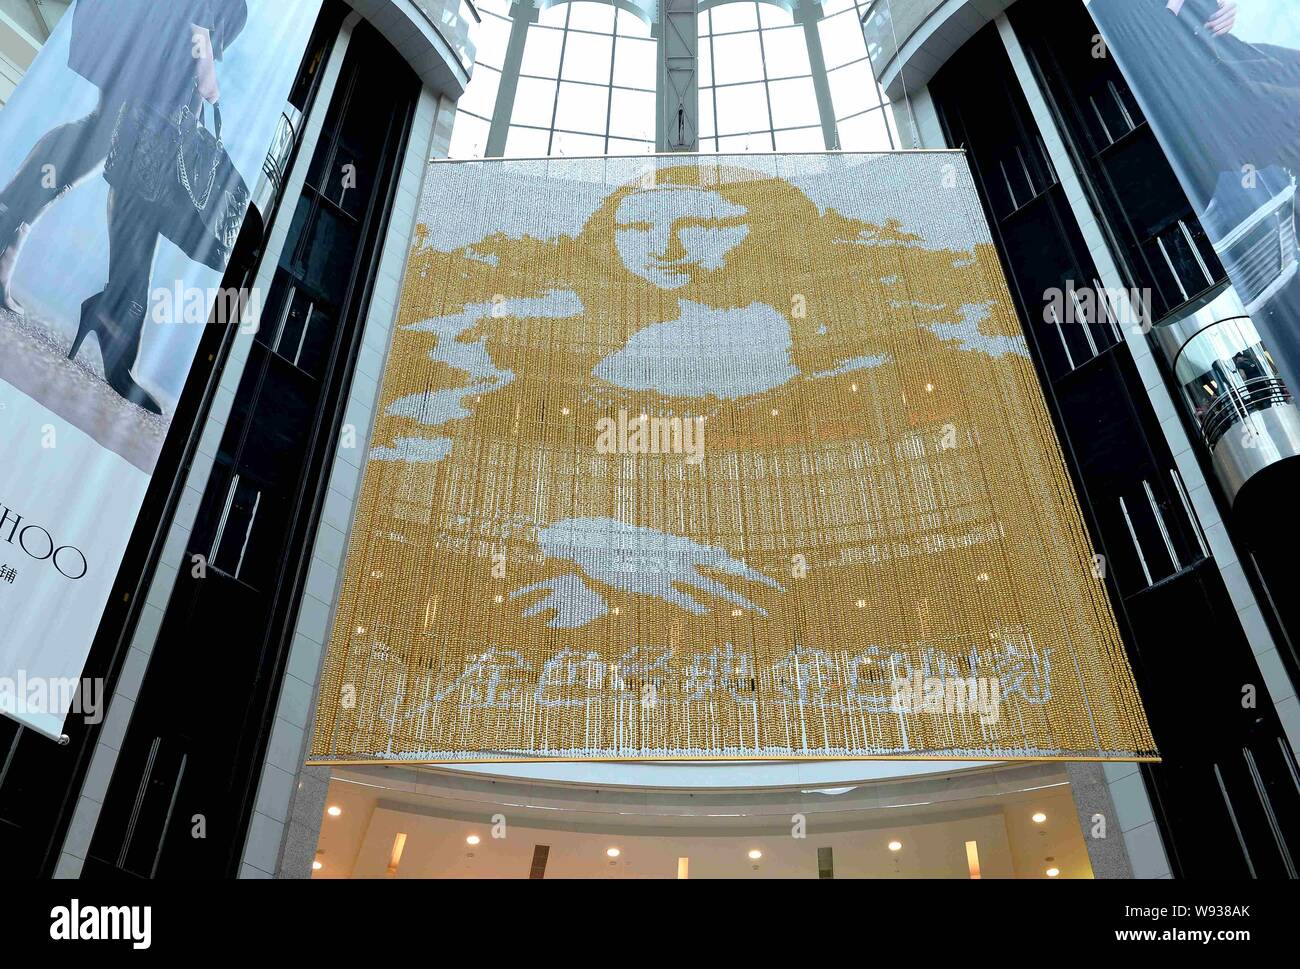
point(933, 818)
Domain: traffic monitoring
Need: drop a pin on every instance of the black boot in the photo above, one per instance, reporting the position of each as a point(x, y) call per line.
point(119, 345)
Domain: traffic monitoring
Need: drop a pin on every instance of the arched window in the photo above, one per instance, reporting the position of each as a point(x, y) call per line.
point(586, 84)
point(756, 86)
point(469, 134)
point(583, 76)
point(862, 114)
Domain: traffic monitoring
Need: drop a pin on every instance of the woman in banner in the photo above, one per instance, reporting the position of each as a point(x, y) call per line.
point(1230, 109)
point(137, 52)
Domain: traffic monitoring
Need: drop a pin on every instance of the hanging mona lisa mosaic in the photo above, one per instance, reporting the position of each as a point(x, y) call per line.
point(716, 457)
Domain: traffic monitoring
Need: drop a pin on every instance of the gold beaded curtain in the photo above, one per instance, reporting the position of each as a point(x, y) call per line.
point(716, 457)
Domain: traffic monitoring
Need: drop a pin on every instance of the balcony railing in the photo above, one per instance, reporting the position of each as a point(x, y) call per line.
point(1235, 403)
point(275, 166)
point(887, 24)
point(454, 20)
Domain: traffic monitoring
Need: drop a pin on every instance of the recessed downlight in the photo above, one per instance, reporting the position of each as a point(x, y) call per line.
point(1039, 817)
point(317, 866)
point(472, 839)
point(895, 846)
point(334, 810)
point(1052, 872)
point(613, 852)
point(755, 855)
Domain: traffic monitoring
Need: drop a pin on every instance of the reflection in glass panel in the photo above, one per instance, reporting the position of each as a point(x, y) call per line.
point(301, 327)
point(230, 545)
point(324, 252)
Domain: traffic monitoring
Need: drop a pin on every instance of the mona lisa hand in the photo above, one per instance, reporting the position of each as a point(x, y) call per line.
point(205, 67)
point(1223, 21)
point(636, 560)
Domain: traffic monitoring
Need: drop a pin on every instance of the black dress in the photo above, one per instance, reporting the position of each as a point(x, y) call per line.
point(1219, 103)
point(141, 50)
point(133, 51)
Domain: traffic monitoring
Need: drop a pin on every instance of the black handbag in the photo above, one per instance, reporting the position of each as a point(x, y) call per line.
point(180, 168)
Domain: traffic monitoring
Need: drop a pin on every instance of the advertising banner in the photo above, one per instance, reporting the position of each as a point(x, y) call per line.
point(716, 457)
point(127, 156)
point(1219, 82)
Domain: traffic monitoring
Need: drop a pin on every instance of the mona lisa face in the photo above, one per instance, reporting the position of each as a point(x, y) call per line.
point(662, 235)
